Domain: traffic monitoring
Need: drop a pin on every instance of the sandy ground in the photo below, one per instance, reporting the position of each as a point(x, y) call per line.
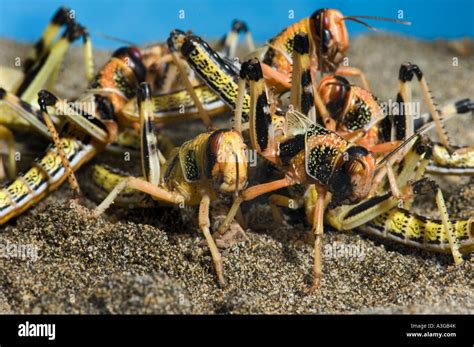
point(154, 261)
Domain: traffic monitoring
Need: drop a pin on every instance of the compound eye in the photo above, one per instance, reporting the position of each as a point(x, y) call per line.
point(355, 166)
point(318, 22)
point(338, 92)
point(135, 53)
point(326, 39)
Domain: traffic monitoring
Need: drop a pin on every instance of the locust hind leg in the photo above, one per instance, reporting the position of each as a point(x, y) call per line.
point(7, 136)
point(101, 131)
point(404, 98)
point(461, 160)
point(302, 94)
point(43, 102)
point(150, 161)
point(17, 113)
point(229, 42)
point(61, 18)
point(64, 17)
point(40, 69)
point(46, 69)
point(164, 195)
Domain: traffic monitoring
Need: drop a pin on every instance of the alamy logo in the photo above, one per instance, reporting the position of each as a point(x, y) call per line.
point(37, 330)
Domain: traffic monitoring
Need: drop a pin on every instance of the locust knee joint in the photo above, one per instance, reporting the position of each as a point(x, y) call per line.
point(424, 186)
point(46, 98)
point(204, 224)
point(464, 106)
point(408, 70)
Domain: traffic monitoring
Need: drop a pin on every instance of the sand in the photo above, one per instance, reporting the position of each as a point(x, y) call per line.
point(154, 261)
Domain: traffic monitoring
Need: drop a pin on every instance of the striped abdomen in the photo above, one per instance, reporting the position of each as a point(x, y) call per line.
point(46, 175)
point(414, 230)
point(177, 106)
point(214, 71)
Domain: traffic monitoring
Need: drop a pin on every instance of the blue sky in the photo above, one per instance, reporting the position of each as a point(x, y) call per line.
point(145, 21)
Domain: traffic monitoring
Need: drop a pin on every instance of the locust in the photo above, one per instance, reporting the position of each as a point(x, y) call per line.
point(19, 88)
point(359, 167)
point(83, 134)
point(168, 72)
point(108, 124)
point(329, 43)
point(210, 163)
point(340, 171)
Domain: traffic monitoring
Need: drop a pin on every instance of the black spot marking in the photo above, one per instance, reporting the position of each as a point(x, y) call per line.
point(314, 130)
point(269, 56)
point(307, 102)
point(104, 107)
point(425, 186)
point(320, 162)
point(288, 149)
point(263, 121)
point(252, 70)
point(358, 116)
point(169, 170)
point(399, 120)
point(187, 47)
point(385, 126)
point(301, 43)
point(191, 166)
point(341, 187)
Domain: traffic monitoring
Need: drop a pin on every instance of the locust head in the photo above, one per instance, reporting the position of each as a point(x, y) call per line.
point(329, 34)
point(227, 160)
point(352, 179)
point(132, 56)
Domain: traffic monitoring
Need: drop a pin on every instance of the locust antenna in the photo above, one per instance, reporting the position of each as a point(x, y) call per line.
point(357, 20)
point(113, 38)
point(397, 21)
